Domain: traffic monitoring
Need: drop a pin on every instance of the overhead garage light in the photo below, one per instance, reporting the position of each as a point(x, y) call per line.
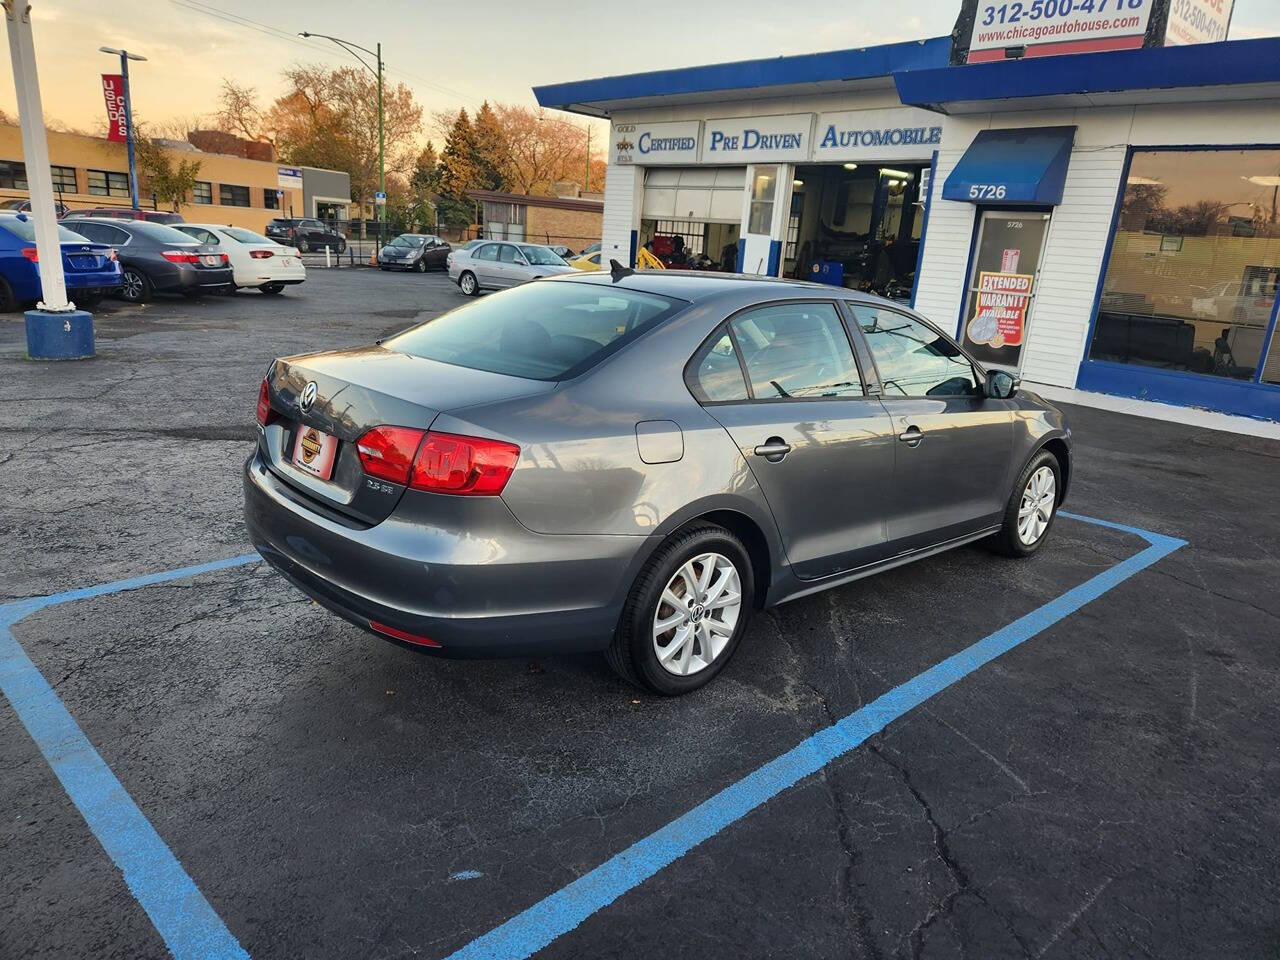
point(1264, 181)
point(1143, 181)
point(900, 174)
point(851, 166)
point(797, 183)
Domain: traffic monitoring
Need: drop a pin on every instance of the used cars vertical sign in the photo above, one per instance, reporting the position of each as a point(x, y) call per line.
point(113, 92)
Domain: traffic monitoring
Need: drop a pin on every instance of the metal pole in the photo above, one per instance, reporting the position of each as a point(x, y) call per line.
point(128, 124)
point(382, 146)
point(35, 149)
point(587, 179)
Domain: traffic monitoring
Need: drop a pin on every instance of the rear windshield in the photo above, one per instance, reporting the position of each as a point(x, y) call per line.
point(245, 236)
point(541, 331)
point(159, 232)
point(26, 230)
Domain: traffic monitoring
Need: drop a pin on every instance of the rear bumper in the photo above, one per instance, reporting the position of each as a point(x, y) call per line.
point(491, 588)
point(256, 278)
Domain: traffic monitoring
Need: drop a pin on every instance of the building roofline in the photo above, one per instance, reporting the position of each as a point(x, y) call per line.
point(601, 96)
point(1228, 70)
point(559, 203)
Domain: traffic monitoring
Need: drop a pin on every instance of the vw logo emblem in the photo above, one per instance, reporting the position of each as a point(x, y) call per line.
point(307, 398)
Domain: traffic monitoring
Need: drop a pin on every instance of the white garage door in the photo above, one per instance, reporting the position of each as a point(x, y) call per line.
point(706, 194)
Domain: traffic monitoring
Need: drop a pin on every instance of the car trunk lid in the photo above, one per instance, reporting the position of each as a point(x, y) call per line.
point(356, 390)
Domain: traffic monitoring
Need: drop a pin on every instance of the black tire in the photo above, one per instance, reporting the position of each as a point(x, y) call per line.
point(7, 302)
point(342, 246)
point(420, 266)
point(632, 654)
point(468, 279)
point(271, 289)
point(1008, 541)
point(88, 301)
point(135, 286)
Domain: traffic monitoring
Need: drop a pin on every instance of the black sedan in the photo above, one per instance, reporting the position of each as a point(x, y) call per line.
point(158, 259)
point(414, 251)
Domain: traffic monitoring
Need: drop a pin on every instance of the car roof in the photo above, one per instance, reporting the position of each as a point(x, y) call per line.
point(695, 285)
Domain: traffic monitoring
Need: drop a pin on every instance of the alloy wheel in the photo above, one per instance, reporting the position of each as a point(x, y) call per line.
point(697, 614)
point(131, 285)
point(1036, 510)
point(468, 284)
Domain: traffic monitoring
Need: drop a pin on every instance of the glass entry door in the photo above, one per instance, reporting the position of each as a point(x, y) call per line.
point(1002, 288)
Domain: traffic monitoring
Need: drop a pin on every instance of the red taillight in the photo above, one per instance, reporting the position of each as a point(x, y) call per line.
point(261, 254)
point(31, 253)
point(225, 259)
point(438, 462)
point(470, 466)
point(178, 256)
point(404, 635)
point(111, 253)
point(265, 413)
point(387, 452)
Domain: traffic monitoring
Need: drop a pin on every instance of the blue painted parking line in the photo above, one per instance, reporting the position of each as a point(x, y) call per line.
point(193, 931)
point(184, 919)
point(545, 921)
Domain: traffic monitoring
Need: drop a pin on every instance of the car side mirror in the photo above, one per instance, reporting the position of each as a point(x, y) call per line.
point(1001, 385)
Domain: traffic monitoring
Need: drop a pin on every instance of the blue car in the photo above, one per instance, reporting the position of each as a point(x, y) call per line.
point(90, 268)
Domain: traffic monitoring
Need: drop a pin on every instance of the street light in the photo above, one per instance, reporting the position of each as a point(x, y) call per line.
point(586, 180)
point(125, 56)
point(351, 48)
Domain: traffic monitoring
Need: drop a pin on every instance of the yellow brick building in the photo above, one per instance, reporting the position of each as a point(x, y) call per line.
point(94, 172)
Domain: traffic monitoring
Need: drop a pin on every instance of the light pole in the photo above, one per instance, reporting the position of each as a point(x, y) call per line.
point(348, 46)
point(125, 56)
point(586, 180)
point(55, 329)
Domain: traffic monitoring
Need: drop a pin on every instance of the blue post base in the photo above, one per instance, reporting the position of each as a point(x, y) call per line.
point(59, 336)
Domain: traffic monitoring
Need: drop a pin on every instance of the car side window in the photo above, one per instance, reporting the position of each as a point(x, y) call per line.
point(507, 253)
point(914, 360)
point(715, 376)
point(796, 350)
point(488, 251)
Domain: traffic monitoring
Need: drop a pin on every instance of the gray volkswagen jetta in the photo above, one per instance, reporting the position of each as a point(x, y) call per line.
point(634, 462)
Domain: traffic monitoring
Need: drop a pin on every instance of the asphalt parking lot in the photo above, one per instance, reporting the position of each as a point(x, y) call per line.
point(1106, 788)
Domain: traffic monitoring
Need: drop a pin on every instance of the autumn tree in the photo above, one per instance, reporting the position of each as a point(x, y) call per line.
point(329, 118)
point(542, 149)
point(239, 113)
point(170, 182)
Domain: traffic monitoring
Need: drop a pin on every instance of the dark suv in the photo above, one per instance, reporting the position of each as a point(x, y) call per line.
point(306, 234)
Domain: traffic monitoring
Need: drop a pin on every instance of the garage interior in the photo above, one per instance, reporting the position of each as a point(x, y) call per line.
point(691, 217)
point(857, 226)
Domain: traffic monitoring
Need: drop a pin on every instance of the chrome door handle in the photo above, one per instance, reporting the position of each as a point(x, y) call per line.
point(911, 436)
point(774, 449)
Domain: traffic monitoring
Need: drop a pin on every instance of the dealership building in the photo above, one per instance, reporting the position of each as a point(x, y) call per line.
point(1099, 215)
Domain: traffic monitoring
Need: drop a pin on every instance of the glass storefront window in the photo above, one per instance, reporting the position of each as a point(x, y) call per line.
point(764, 185)
point(1195, 263)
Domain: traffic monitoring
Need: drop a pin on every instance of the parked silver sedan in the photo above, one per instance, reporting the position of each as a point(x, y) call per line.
point(634, 462)
point(502, 263)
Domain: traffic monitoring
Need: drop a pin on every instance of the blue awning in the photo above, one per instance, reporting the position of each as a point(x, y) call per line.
point(1027, 165)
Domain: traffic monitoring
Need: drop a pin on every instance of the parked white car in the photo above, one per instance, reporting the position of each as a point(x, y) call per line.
point(256, 261)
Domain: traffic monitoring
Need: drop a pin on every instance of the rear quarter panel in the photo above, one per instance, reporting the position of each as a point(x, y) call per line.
point(580, 470)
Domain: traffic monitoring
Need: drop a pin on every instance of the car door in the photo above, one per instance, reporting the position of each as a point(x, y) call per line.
point(953, 449)
point(512, 266)
point(782, 380)
point(484, 264)
point(437, 252)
